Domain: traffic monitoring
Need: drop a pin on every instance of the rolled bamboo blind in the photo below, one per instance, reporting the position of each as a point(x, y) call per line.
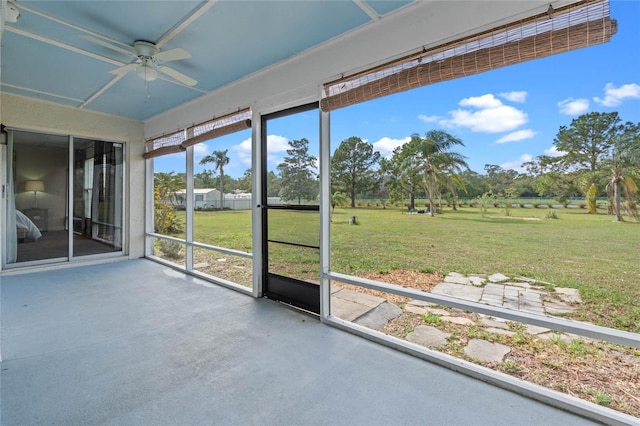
point(217, 127)
point(582, 24)
point(214, 128)
point(167, 144)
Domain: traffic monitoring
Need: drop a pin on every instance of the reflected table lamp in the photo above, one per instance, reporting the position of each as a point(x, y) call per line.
point(35, 186)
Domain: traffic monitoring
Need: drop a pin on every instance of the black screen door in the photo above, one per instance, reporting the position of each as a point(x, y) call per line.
point(291, 213)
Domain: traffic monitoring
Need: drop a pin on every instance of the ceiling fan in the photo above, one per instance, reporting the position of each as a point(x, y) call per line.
point(147, 61)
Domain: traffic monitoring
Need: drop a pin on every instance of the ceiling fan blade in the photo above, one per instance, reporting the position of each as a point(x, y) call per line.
point(172, 55)
point(124, 69)
point(128, 52)
point(188, 81)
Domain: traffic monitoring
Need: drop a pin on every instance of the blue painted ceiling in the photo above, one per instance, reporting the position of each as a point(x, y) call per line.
point(44, 57)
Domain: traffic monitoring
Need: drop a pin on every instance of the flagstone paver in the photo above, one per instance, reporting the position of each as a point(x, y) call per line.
point(467, 292)
point(486, 351)
point(379, 316)
point(428, 336)
point(457, 280)
point(494, 323)
point(497, 330)
point(498, 278)
point(419, 310)
point(535, 329)
point(477, 281)
point(458, 320)
point(570, 295)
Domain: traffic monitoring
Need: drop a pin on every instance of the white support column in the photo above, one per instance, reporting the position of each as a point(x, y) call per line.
point(148, 208)
point(4, 169)
point(189, 210)
point(70, 186)
point(325, 214)
point(256, 200)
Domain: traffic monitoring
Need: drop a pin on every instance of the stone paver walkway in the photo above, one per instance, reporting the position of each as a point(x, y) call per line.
point(522, 294)
point(517, 293)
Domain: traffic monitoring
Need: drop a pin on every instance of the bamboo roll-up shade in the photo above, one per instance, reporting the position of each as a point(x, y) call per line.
point(214, 128)
point(579, 25)
point(217, 127)
point(171, 149)
point(167, 144)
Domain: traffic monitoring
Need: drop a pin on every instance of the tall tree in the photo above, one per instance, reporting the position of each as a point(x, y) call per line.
point(274, 184)
point(244, 183)
point(204, 179)
point(500, 180)
point(219, 160)
point(351, 166)
point(400, 172)
point(588, 140)
point(591, 145)
point(298, 173)
point(438, 161)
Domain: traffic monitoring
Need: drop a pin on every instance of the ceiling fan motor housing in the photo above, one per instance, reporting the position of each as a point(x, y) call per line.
point(145, 49)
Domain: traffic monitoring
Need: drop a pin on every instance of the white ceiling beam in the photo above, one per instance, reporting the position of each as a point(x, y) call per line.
point(40, 92)
point(367, 9)
point(62, 45)
point(198, 12)
point(101, 91)
point(69, 24)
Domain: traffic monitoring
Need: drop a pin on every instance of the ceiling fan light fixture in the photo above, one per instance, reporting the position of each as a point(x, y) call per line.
point(146, 72)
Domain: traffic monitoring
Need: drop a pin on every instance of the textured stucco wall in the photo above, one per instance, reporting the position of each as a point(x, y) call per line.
point(28, 114)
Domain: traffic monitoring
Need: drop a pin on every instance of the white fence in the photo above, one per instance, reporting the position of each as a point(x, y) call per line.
point(232, 202)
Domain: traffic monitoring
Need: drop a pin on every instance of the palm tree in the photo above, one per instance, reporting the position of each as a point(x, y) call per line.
point(623, 162)
point(437, 162)
point(219, 160)
point(338, 198)
point(450, 175)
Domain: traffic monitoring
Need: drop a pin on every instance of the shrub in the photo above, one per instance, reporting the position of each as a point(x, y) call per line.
point(171, 249)
point(485, 201)
point(551, 214)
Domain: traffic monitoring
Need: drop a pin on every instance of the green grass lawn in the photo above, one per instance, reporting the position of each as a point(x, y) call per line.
point(590, 252)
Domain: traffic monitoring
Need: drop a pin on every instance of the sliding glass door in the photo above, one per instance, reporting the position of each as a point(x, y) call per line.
point(38, 185)
point(97, 197)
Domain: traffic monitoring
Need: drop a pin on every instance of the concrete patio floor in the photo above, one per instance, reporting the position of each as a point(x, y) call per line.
point(134, 342)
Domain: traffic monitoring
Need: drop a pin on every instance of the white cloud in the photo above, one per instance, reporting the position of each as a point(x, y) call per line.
point(614, 96)
point(517, 164)
point(385, 146)
point(275, 145)
point(492, 120)
point(553, 152)
point(244, 151)
point(572, 106)
point(491, 115)
point(520, 96)
point(428, 118)
point(484, 101)
point(199, 151)
point(517, 136)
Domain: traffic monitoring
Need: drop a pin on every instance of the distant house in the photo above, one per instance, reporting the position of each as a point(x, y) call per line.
point(209, 198)
point(202, 198)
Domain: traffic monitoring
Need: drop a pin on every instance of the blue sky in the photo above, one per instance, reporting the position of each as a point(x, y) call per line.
point(506, 116)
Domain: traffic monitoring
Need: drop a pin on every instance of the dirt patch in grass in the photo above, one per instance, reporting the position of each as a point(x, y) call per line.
point(514, 217)
point(595, 371)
